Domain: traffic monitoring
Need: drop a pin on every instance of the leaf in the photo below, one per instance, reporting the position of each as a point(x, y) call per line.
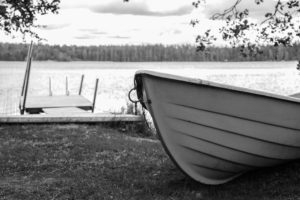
point(267, 15)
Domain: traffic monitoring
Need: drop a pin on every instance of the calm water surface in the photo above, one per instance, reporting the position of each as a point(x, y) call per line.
point(116, 79)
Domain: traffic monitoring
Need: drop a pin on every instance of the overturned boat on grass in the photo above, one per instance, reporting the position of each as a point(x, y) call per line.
point(214, 132)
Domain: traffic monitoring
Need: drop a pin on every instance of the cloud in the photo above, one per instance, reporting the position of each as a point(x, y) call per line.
point(93, 31)
point(119, 37)
point(85, 37)
point(99, 32)
point(135, 29)
point(53, 26)
point(140, 8)
point(170, 32)
point(176, 32)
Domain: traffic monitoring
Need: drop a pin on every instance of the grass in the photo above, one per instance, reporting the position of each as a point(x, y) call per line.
point(84, 161)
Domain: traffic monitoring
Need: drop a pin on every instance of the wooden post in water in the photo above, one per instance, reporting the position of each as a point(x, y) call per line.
point(50, 90)
point(95, 95)
point(67, 89)
point(81, 83)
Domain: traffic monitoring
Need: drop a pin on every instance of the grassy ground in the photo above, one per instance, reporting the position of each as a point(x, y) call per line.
point(94, 162)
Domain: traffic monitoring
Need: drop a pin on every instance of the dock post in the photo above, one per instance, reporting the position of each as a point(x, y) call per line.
point(23, 87)
point(24, 81)
point(67, 90)
point(26, 88)
point(135, 108)
point(81, 83)
point(50, 90)
point(95, 95)
point(26, 70)
point(26, 73)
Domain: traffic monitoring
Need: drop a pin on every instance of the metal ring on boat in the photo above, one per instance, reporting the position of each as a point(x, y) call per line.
point(129, 96)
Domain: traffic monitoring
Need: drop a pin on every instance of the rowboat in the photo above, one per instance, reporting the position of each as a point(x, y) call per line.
point(215, 132)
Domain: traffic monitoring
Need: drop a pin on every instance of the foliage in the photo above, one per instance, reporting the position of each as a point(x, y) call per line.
point(20, 15)
point(277, 28)
point(142, 53)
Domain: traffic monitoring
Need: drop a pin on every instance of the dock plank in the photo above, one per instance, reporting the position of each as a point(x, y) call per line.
point(56, 101)
point(70, 118)
point(65, 111)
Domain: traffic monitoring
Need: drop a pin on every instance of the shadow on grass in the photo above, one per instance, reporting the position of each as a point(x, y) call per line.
point(83, 161)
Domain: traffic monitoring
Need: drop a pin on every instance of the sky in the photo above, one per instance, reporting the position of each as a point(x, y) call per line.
point(91, 22)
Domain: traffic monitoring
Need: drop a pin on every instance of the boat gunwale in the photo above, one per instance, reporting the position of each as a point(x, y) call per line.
point(198, 81)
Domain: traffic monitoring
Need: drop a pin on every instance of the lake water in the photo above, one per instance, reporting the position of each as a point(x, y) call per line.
point(116, 78)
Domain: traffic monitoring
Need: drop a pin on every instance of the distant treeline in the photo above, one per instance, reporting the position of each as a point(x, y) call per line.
point(143, 53)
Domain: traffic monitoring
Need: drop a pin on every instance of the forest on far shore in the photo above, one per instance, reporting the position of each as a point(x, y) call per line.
point(141, 53)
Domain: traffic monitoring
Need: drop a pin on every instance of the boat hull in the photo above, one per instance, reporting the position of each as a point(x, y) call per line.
point(215, 132)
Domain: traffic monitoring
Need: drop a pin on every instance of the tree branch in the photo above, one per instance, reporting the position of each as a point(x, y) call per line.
point(277, 29)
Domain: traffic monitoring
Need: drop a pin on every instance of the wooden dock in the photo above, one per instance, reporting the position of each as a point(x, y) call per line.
point(53, 104)
point(69, 118)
